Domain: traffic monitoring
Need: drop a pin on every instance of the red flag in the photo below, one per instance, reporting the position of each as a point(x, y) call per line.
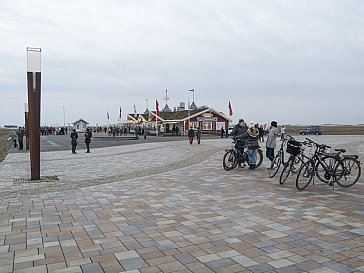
point(157, 107)
point(107, 114)
point(120, 113)
point(230, 109)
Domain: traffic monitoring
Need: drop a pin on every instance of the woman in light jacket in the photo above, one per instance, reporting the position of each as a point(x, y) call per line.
point(271, 141)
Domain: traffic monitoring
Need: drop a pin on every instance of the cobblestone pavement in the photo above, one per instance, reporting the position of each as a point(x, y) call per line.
point(128, 211)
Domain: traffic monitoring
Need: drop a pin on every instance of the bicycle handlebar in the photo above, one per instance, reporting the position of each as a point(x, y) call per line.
point(322, 146)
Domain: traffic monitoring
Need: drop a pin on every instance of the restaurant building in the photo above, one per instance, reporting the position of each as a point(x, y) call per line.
point(179, 121)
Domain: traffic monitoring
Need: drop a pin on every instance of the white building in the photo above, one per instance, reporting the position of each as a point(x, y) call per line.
point(80, 125)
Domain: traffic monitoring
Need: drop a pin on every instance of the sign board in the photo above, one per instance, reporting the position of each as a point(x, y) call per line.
point(210, 119)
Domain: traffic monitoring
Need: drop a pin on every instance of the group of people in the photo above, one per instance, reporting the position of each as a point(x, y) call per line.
point(191, 134)
point(74, 140)
point(17, 138)
point(249, 136)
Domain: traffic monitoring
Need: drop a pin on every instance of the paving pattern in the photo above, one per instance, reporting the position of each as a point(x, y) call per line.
point(189, 215)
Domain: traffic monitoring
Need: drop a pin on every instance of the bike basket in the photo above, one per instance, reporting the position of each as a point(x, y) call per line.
point(293, 147)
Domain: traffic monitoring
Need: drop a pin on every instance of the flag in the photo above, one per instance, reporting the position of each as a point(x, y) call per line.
point(157, 107)
point(120, 113)
point(107, 115)
point(135, 112)
point(230, 109)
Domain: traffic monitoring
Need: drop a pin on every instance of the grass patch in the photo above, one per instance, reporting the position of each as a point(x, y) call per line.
point(4, 135)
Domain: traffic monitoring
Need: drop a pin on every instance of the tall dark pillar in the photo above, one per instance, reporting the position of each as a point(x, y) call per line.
point(34, 80)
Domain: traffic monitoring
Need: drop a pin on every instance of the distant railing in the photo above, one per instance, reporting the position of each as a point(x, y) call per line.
point(4, 149)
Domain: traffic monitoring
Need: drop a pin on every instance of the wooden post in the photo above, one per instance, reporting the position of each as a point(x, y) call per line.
point(34, 92)
point(34, 123)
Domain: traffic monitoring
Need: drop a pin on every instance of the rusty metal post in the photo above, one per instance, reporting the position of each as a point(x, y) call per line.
point(34, 84)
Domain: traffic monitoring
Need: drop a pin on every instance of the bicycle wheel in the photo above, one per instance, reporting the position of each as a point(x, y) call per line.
point(259, 158)
point(305, 175)
point(286, 171)
point(229, 160)
point(297, 163)
point(274, 166)
point(348, 172)
point(325, 170)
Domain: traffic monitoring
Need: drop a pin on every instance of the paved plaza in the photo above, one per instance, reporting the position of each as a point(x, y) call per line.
point(171, 207)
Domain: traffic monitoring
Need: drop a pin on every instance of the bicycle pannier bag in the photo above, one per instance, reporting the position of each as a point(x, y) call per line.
point(293, 147)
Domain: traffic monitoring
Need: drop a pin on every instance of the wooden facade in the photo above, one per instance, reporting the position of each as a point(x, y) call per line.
point(208, 119)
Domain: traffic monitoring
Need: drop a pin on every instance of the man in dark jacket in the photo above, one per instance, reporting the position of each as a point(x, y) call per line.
point(88, 135)
point(191, 135)
point(239, 129)
point(238, 132)
point(20, 134)
point(74, 137)
point(198, 135)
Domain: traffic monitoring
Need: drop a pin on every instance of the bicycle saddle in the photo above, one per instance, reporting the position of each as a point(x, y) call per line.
point(340, 150)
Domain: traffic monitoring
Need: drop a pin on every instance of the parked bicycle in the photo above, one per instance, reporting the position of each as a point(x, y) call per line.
point(297, 157)
point(334, 168)
point(279, 158)
point(239, 155)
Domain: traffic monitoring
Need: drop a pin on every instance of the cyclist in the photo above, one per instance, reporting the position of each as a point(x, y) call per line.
point(238, 132)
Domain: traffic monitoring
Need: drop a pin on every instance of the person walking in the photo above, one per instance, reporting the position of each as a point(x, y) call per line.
point(261, 133)
point(222, 132)
point(198, 135)
point(191, 135)
point(74, 140)
point(271, 140)
point(20, 134)
point(137, 132)
point(88, 135)
point(145, 133)
point(14, 137)
point(251, 138)
point(283, 132)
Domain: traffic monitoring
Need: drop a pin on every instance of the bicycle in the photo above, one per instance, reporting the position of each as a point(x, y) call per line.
point(328, 168)
point(296, 159)
point(279, 158)
point(238, 154)
point(350, 167)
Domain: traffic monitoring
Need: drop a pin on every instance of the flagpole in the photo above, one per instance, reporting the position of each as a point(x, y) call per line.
point(156, 117)
point(107, 113)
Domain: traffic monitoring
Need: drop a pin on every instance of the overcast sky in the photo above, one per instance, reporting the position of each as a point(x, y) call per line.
point(297, 62)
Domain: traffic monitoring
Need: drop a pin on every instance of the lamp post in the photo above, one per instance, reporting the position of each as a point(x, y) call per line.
point(188, 113)
point(64, 118)
point(26, 123)
point(34, 80)
point(193, 94)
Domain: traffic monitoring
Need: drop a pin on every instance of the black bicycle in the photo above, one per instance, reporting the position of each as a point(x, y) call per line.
point(238, 154)
point(297, 157)
point(279, 157)
point(329, 168)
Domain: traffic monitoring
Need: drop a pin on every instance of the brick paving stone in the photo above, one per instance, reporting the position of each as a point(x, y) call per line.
point(6, 268)
point(73, 269)
point(133, 263)
point(171, 267)
point(289, 269)
point(220, 263)
point(185, 258)
point(92, 268)
point(35, 269)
